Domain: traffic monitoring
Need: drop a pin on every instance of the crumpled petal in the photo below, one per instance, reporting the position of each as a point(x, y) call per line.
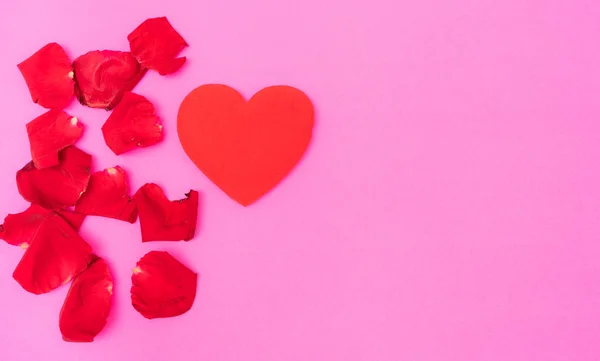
point(102, 76)
point(18, 229)
point(56, 187)
point(132, 124)
point(56, 255)
point(49, 77)
point(50, 133)
point(107, 195)
point(164, 220)
point(88, 303)
point(155, 44)
point(162, 286)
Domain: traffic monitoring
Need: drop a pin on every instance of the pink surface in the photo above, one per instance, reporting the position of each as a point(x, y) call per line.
point(447, 209)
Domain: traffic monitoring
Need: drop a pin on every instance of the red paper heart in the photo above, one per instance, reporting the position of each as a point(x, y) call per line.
point(245, 148)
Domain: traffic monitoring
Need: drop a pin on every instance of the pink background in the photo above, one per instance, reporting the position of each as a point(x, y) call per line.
point(447, 209)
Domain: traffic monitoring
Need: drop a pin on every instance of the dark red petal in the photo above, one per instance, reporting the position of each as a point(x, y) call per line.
point(163, 220)
point(88, 303)
point(18, 229)
point(50, 133)
point(49, 77)
point(162, 286)
point(155, 44)
point(56, 187)
point(133, 124)
point(107, 196)
point(103, 76)
point(55, 256)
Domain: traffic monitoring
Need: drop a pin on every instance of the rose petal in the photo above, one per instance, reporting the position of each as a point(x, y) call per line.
point(162, 286)
point(107, 196)
point(133, 124)
point(50, 133)
point(56, 187)
point(87, 304)
point(155, 44)
point(103, 76)
point(55, 256)
point(164, 220)
point(49, 77)
point(18, 229)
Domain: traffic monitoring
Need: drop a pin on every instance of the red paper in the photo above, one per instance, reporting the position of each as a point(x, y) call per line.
point(133, 124)
point(57, 187)
point(164, 220)
point(55, 256)
point(162, 286)
point(50, 133)
point(245, 148)
point(107, 195)
point(87, 304)
point(49, 77)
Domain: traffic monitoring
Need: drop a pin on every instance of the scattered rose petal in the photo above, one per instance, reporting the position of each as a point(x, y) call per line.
point(164, 220)
point(162, 286)
point(18, 229)
point(133, 124)
point(107, 196)
point(55, 256)
point(155, 44)
point(88, 303)
point(50, 133)
point(49, 77)
point(103, 76)
point(56, 187)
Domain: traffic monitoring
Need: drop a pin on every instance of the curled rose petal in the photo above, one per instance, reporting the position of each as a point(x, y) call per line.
point(102, 77)
point(55, 256)
point(50, 133)
point(18, 229)
point(49, 77)
point(164, 220)
point(107, 196)
point(56, 187)
point(155, 44)
point(88, 303)
point(132, 124)
point(162, 286)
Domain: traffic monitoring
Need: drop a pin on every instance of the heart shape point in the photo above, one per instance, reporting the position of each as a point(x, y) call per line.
point(245, 147)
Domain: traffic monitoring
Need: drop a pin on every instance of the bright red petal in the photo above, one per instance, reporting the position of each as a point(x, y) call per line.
point(88, 303)
point(57, 187)
point(49, 77)
point(103, 76)
point(162, 286)
point(133, 124)
point(163, 220)
point(50, 133)
point(55, 256)
point(107, 196)
point(155, 44)
point(19, 229)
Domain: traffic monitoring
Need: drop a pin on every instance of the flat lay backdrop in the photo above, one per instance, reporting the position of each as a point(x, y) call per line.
point(447, 209)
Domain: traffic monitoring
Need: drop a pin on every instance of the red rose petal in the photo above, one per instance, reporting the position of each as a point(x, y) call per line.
point(155, 44)
point(87, 304)
point(162, 286)
point(163, 220)
point(103, 76)
point(133, 124)
point(19, 229)
point(107, 196)
point(50, 133)
point(57, 187)
point(55, 256)
point(49, 77)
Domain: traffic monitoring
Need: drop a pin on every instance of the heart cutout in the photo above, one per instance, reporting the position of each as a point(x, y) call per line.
point(245, 147)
